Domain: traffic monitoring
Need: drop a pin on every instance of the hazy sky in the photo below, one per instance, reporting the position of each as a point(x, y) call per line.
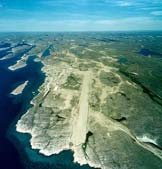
point(80, 15)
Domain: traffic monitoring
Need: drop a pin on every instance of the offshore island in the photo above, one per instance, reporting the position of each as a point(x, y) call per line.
point(101, 99)
point(19, 89)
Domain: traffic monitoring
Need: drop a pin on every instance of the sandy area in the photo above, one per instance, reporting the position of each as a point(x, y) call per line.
point(80, 124)
point(20, 63)
point(20, 88)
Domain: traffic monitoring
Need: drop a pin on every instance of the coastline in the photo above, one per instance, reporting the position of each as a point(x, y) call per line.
point(30, 156)
point(71, 101)
point(20, 63)
point(19, 89)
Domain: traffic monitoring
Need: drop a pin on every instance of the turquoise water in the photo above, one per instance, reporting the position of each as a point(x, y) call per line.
point(122, 60)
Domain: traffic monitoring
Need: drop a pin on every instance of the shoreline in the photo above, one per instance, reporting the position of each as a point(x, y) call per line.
point(18, 90)
point(15, 105)
point(73, 112)
point(20, 63)
point(26, 137)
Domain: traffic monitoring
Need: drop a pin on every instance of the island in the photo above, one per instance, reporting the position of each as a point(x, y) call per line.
point(20, 63)
point(18, 90)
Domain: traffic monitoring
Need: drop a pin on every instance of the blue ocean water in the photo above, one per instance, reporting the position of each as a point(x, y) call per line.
point(9, 109)
point(4, 44)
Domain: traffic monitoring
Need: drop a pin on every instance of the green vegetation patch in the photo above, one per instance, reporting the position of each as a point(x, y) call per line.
point(94, 101)
point(86, 66)
point(73, 82)
point(135, 109)
point(74, 101)
point(108, 78)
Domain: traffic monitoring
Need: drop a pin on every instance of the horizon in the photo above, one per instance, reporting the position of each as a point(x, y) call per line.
point(84, 31)
point(82, 16)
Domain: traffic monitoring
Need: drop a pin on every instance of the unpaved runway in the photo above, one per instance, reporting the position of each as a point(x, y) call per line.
point(80, 124)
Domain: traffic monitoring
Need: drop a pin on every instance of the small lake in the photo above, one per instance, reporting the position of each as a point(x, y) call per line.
point(147, 52)
point(122, 60)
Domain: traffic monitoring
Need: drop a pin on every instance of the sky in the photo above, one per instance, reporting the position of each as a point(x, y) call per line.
point(80, 15)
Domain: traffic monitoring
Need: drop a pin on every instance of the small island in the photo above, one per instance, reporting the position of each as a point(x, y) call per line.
point(18, 90)
point(20, 63)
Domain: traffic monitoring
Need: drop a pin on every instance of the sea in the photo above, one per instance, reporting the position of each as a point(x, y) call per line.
point(10, 107)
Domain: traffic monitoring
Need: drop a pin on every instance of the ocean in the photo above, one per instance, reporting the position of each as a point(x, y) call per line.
point(10, 107)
